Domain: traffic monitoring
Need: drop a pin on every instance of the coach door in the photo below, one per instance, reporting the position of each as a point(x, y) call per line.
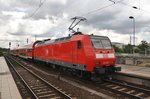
point(76, 51)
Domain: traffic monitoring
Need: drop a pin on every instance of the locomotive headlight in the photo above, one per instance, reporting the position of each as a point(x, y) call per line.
point(97, 63)
point(99, 56)
point(112, 62)
point(111, 55)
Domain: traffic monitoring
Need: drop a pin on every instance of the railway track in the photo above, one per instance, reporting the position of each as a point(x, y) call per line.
point(126, 90)
point(132, 78)
point(39, 87)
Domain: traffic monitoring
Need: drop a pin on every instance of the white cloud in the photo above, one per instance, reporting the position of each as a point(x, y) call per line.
point(57, 1)
point(13, 14)
point(53, 19)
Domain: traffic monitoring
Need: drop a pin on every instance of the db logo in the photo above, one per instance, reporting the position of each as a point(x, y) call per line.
point(46, 51)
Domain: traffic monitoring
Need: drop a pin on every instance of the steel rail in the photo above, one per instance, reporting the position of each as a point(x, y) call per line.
point(49, 84)
point(145, 91)
point(21, 78)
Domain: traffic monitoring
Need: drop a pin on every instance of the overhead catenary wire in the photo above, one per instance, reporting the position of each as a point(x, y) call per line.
point(11, 41)
point(134, 7)
point(96, 10)
point(139, 4)
point(31, 1)
point(92, 11)
point(40, 5)
point(104, 7)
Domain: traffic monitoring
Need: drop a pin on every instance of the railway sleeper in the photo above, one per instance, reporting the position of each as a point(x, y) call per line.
point(122, 89)
point(44, 92)
point(39, 87)
point(110, 85)
point(57, 97)
point(148, 97)
point(139, 94)
point(130, 92)
point(116, 87)
point(36, 84)
point(39, 90)
point(47, 95)
point(23, 89)
point(31, 85)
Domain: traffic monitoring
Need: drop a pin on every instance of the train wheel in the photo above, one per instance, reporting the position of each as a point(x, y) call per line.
point(96, 78)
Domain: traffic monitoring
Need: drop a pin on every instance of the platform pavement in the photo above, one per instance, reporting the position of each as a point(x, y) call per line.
point(135, 70)
point(8, 88)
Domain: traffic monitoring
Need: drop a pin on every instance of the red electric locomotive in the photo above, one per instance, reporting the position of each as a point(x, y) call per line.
point(82, 53)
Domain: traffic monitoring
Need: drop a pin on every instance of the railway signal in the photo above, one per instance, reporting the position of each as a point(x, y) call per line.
point(9, 44)
point(27, 40)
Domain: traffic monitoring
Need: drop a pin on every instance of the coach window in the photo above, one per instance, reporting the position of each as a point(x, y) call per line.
point(29, 50)
point(79, 44)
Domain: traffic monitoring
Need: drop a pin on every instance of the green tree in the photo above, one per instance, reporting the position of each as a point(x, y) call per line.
point(128, 48)
point(143, 46)
point(117, 49)
point(2, 50)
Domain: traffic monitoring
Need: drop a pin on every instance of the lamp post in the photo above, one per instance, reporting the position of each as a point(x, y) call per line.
point(131, 17)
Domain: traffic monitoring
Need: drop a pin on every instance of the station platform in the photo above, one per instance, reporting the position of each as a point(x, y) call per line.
point(135, 70)
point(8, 88)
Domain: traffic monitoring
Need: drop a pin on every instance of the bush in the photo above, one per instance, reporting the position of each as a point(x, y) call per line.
point(1, 54)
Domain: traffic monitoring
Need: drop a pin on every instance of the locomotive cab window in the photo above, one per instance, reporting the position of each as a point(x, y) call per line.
point(97, 43)
point(101, 43)
point(79, 44)
point(106, 43)
point(29, 50)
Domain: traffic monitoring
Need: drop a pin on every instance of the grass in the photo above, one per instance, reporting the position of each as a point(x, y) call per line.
point(144, 64)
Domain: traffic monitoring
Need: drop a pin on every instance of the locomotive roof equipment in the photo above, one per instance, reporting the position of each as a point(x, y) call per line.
point(75, 22)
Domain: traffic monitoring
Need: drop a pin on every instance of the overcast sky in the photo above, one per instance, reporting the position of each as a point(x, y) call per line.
point(42, 19)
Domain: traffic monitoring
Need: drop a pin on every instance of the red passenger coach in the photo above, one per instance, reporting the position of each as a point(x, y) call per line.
point(14, 52)
point(24, 51)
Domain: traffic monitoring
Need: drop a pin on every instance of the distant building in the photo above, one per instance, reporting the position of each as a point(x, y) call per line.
point(119, 45)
